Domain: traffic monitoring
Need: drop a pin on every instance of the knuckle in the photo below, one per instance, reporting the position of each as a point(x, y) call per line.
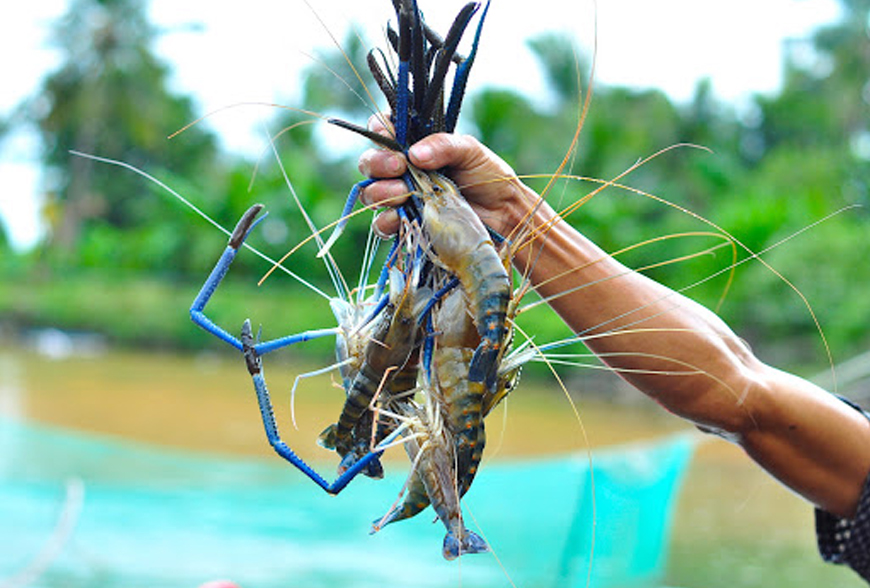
point(469, 141)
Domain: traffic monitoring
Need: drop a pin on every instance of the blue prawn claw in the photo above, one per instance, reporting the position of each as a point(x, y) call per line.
point(484, 366)
point(374, 469)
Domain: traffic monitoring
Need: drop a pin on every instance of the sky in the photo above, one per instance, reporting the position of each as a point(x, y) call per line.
point(225, 53)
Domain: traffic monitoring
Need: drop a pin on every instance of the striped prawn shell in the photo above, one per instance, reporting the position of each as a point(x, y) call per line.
point(462, 245)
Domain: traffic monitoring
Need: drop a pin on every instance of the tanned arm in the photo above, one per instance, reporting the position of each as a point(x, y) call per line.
point(669, 347)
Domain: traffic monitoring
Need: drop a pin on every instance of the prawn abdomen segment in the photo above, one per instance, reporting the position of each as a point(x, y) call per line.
point(490, 300)
point(339, 436)
point(462, 245)
point(417, 498)
point(414, 503)
point(386, 353)
point(463, 402)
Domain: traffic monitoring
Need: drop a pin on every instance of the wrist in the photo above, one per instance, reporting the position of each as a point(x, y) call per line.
point(529, 215)
point(519, 211)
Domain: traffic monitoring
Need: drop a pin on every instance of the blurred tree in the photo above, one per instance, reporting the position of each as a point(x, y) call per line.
point(565, 67)
point(4, 240)
point(339, 81)
point(621, 127)
point(110, 97)
point(810, 157)
point(826, 97)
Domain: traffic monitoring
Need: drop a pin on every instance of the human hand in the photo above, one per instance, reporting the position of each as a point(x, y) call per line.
point(486, 181)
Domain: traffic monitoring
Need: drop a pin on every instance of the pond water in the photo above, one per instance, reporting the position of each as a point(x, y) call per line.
point(206, 402)
point(121, 469)
point(152, 469)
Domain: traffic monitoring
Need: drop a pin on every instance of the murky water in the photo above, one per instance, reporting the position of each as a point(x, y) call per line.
point(157, 451)
point(207, 403)
point(153, 469)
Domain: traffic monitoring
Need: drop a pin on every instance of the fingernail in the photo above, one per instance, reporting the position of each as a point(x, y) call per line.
point(394, 165)
point(388, 217)
point(422, 153)
point(378, 231)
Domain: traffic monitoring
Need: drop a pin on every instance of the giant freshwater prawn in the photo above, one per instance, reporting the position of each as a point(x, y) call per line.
point(457, 358)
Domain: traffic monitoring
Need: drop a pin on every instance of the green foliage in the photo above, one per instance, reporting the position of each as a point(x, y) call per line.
point(800, 156)
point(4, 240)
point(110, 98)
point(563, 65)
point(340, 81)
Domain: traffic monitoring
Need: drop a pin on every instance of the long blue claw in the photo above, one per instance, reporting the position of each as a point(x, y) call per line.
point(368, 462)
point(373, 469)
point(253, 352)
point(445, 57)
point(197, 308)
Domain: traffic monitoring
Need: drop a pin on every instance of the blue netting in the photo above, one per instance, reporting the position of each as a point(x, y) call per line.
point(153, 517)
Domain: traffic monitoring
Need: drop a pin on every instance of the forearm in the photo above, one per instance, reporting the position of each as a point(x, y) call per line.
point(810, 440)
point(686, 358)
point(669, 347)
point(663, 343)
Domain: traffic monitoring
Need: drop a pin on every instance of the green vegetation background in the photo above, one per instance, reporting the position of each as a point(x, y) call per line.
point(122, 259)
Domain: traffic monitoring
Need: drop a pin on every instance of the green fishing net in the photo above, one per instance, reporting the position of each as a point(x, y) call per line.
point(81, 510)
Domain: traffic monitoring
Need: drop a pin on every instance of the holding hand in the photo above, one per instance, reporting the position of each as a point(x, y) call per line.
point(487, 182)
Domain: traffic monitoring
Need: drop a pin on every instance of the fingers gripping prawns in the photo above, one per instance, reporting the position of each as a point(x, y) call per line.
point(460, 243)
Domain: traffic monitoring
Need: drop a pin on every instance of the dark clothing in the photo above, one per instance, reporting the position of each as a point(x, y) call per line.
point(847, 541)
